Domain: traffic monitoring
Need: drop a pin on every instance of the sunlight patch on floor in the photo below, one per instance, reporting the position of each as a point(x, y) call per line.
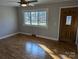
point(52, 54)
point(64, 57)
point(49, 52)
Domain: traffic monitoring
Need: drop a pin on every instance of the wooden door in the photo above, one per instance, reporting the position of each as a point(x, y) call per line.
point(68, 24)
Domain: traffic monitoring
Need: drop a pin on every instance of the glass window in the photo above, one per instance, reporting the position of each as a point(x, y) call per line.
point(27, 18)
point(68, 20)
point(35, 18)
point(42, 18)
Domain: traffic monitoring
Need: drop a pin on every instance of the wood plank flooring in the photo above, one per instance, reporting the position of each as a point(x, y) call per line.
point(28, 47)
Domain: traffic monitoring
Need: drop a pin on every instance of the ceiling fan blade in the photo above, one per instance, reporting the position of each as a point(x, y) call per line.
point(22, 0)
point(31, 1)
point(26, 2)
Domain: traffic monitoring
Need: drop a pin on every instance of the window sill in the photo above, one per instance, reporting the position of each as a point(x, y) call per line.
point(39, 26)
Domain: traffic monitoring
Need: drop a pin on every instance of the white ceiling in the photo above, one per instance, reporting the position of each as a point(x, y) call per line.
point(14, 2)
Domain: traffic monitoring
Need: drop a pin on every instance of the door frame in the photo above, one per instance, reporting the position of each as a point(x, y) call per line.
point(59, 19)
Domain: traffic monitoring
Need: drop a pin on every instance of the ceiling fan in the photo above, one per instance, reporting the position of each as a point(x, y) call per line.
point(25, 3)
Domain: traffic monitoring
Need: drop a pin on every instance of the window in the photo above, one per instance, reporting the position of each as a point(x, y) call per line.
point(27, 17)
point(68, 20)
point(35, 18)
point(42, 18)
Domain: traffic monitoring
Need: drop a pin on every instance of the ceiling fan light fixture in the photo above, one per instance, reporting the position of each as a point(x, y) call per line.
point(23, 5)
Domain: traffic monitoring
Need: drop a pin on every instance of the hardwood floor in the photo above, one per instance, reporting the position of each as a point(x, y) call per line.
point(28, 47)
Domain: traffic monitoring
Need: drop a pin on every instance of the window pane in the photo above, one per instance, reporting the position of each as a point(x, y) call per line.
point(68, 20)
point(27, 17)
point(34, 18)
point(42, 18)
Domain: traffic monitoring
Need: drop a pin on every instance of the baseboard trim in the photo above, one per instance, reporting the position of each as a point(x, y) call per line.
point(40, 36)
point(51, 38)
point(25, 33)
point(28, 34)
point(47, 37)
point(6, 36)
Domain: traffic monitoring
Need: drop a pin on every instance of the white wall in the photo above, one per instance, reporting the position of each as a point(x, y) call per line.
point(8, 21)
point(53, 20)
